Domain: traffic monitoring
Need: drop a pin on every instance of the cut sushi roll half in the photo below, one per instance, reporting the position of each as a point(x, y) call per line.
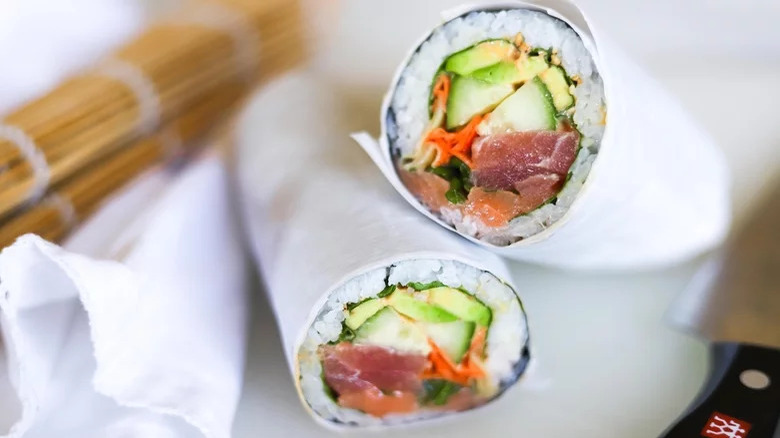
point(495, 120)
point(414, 340)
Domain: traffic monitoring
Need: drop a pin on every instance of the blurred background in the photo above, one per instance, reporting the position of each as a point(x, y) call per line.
point(721, 58)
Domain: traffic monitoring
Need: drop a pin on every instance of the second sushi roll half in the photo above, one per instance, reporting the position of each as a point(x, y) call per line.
point(413, 340)
point(495, 121)
point(386, 319)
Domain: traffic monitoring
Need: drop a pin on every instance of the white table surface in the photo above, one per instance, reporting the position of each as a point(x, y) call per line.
point(606, 363)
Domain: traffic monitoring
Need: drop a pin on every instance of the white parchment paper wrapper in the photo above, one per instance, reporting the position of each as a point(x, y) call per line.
point(137, 326)
point(317, 211)
point(658, 192)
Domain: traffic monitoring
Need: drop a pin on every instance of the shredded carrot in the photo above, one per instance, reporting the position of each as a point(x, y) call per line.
point(441, 91)
point(457, 144)
point(471, 360)
point(478, 341)
point(441, 367)
point(440, 139)
point(449, 144)
point(465, 137)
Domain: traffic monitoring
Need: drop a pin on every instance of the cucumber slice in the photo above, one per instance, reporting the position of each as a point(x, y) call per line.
point(530, 108)
point(362, 312)
point(480, 56)
point(461, 304)
point(555, 80)
point(387, 328)
point(454, 338)
point(470, 97)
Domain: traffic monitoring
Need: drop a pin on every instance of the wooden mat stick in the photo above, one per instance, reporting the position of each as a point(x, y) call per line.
point(76, 198)
point(153, 79)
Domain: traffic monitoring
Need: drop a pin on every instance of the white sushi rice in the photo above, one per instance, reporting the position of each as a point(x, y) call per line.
point(410, 103)
point(507, 336)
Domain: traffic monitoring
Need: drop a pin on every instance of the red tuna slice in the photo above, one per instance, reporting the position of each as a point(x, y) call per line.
point(537, 189)
point(509, 161)
point(350, 368)
point(430, 189)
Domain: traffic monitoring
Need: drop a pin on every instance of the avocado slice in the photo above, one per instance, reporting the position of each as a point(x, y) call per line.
point(509, 72)
point(454, 338)
point(555, 80)
point(530, 108)
point(470, 97)
point(386, 328)
point(419, 310)
point(479, 56)
point(505, 72)
point(532, 66)
point(363, 311)
point(461, 304)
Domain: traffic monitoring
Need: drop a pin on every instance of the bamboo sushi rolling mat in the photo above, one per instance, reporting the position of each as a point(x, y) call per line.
point(64, 153)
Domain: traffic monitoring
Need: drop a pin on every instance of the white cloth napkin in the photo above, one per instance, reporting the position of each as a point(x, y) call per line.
point(150, 344)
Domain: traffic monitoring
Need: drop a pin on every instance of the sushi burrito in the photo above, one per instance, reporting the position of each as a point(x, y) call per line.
point(525, 130)
point(385, 318)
